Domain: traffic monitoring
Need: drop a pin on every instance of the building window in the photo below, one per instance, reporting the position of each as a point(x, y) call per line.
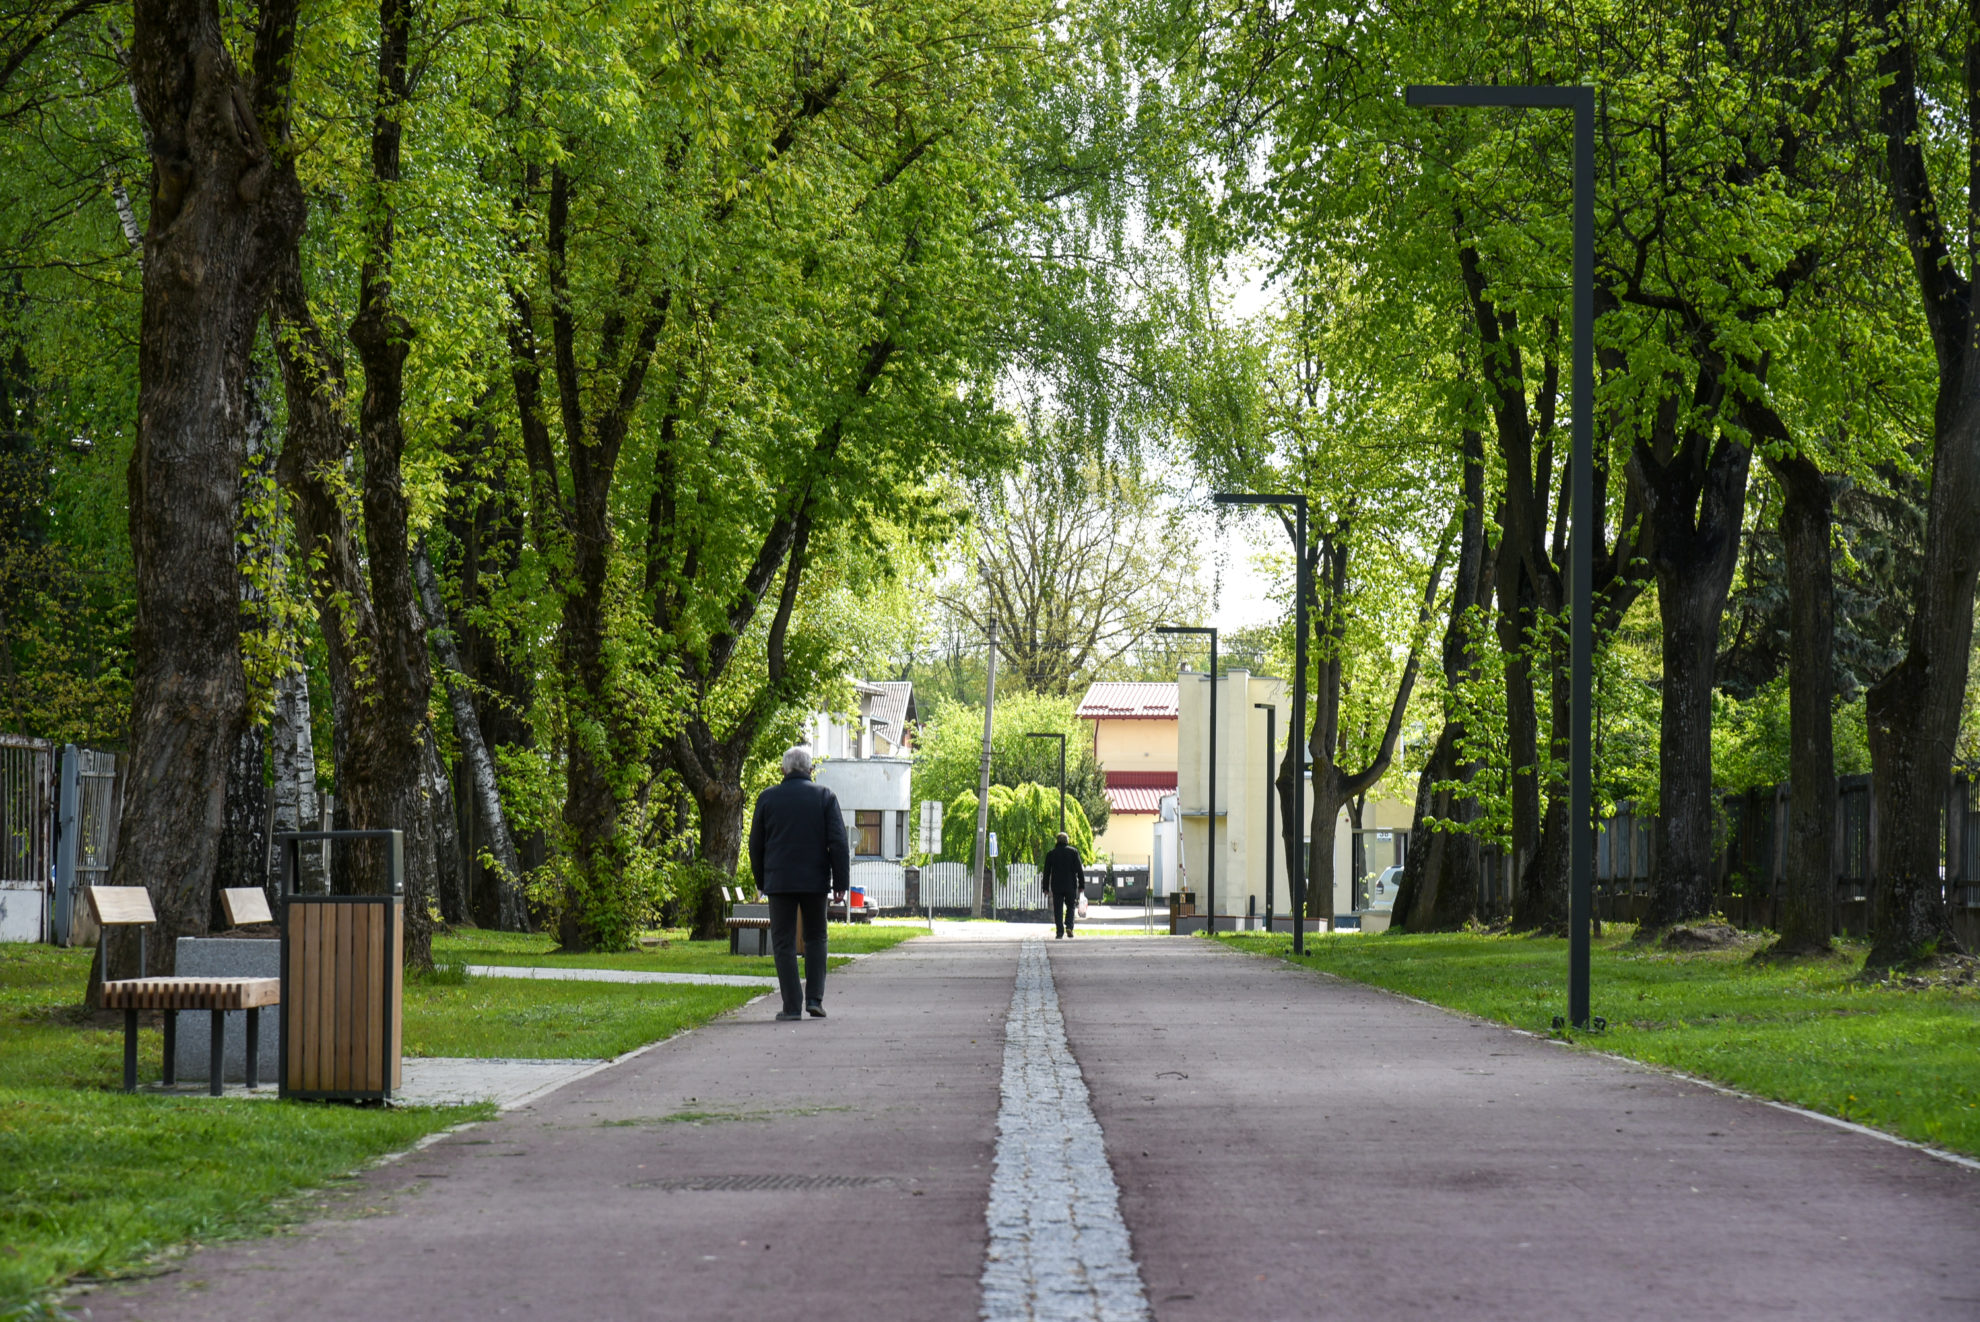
point(900, 835)
point(866, 833)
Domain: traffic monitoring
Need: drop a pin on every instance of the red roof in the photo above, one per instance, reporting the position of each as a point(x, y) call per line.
point(1133, 801)
point(1135, 792)
point(1125, 701)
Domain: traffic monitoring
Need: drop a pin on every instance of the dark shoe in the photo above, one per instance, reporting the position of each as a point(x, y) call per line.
point(814, 1009)
point(785, 1016)
point(1058, 936)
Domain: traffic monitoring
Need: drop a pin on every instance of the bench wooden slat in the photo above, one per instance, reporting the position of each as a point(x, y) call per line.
point(191, 993)
point(747, 922)
point(245, 905)
point(121, 906)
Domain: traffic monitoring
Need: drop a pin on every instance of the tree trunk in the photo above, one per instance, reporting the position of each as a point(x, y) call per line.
point(214, 232)
point(1806, 912)
point(1914, 711)
point(1440, 879)
point(295, 801)
point(486, 527)
point(513, 915)
point(1529, 903)
point(243, 849)
point(1696, 510)
point(721, 812)
point(449, 865)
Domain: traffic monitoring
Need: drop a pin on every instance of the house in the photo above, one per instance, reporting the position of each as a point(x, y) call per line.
point(1134, 743)
point(867, 759)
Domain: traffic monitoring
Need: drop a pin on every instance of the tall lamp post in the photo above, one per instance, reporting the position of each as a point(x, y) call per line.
point(1296, 861)
point(1210, 880)
point(1581, 551)
point(1271, 841)
point(1041, 734)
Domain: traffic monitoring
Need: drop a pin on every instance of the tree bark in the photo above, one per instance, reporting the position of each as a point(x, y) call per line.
point(1914, 710)
point(215, 229)
point(296, 806)
point(484, 522)
point(513, 915)
point(1440, 879)
point(1805, 915)
point(1696, 499)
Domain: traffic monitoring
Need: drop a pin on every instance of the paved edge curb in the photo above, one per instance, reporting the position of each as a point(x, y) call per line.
point(1668, 1071)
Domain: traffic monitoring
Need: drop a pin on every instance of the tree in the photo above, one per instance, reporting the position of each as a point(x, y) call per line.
point(1076, 563)
point(948, 753)
point(215, 231)
point(1915, 709)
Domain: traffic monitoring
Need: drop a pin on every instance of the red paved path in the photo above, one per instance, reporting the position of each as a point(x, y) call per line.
point(1287, 1147)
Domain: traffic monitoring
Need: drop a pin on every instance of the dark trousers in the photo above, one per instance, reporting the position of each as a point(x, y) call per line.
point(1063, 909)
point(784, 911)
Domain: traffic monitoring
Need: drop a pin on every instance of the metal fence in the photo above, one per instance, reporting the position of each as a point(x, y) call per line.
point(1752, 859)
point(26, 836)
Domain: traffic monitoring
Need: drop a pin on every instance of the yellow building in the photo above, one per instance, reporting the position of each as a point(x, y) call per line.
point(1134, 742)
point(1246, 766)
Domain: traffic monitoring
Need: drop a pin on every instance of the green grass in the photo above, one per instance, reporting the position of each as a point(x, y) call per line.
point(1902, 1060)
point(92, 1180)
point(523, 1017)
point(679, 955)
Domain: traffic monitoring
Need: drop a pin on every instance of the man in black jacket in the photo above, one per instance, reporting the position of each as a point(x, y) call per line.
point(798, 851)
point(1063, 878)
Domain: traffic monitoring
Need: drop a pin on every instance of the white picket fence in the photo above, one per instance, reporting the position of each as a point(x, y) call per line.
point(1018, 888)
point(945, 886)
point(885, 884)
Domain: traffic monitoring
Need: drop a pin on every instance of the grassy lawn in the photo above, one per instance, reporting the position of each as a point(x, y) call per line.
point(1907, 1061)
point(92, 1180)
point(678, 955)
point(522, 1017)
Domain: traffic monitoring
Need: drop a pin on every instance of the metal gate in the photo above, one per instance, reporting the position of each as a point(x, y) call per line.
point(90, 800)
point(26, 847)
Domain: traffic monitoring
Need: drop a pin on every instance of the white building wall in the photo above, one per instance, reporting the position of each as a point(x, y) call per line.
point(874, 784)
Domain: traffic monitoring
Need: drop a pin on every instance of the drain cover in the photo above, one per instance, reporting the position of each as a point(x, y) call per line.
point(760, 1183)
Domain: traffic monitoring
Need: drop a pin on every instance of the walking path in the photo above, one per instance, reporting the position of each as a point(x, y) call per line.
point(1277, 1145)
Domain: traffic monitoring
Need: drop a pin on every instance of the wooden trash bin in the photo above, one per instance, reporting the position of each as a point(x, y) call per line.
point(343, 984)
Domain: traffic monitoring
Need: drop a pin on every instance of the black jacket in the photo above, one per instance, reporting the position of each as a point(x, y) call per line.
point(1063, 873)
point(797, 842)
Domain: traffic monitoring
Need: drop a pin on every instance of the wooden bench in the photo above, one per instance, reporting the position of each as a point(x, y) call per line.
point(130, 906)
point(735, 897)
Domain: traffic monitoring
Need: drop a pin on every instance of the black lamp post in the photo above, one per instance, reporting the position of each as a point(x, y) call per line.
point(1210, 880)
point(1040, 734)
point(1271, 837)
point(1581, 552)
point(1296, 863)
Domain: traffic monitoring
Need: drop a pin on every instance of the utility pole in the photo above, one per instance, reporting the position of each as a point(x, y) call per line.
point(983, 893)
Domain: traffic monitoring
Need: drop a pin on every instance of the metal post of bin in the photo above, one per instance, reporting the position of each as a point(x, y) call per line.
point(389, 927)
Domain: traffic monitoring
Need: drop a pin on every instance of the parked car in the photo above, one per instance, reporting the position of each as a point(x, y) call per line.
point(1382, 890)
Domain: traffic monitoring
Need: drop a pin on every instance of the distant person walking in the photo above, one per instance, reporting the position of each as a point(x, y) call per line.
point(797, 852)
point(1064, 875)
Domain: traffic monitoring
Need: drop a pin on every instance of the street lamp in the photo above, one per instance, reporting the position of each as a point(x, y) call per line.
point(1040, 734)
point(1210, 881)
point(1271, 739)
point(1581, 551)
point(1296, 861)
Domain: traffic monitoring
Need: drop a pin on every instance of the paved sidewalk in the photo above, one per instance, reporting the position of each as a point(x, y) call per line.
point(1300, 1147)
point(1284, 1147)
point(674, 1184)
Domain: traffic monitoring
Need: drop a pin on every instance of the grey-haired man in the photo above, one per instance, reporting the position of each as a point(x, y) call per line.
point(798, 851)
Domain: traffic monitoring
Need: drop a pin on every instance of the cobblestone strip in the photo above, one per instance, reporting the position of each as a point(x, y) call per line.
point(1058, 1247)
